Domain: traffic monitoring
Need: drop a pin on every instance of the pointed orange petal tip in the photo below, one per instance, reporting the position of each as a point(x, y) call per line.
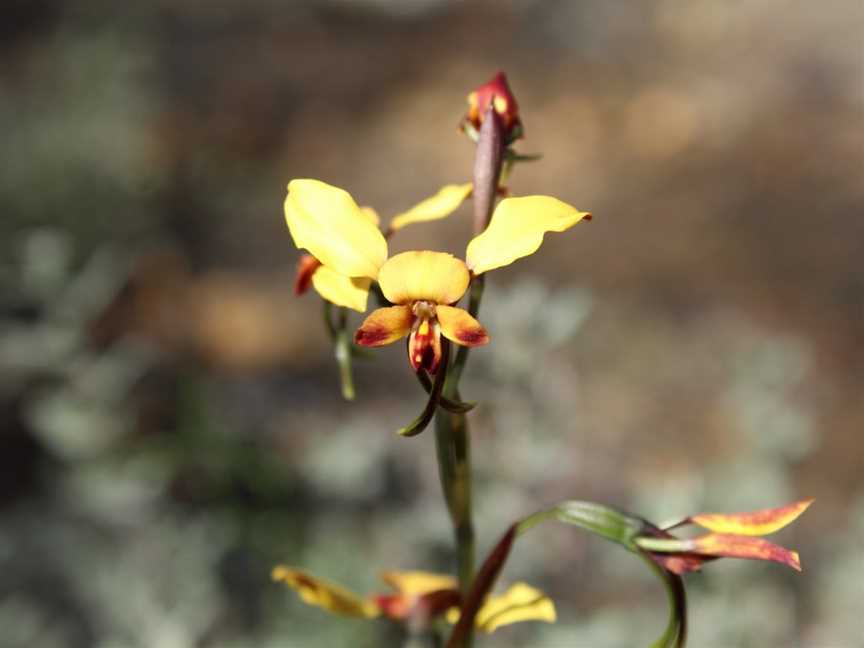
point(750, 548)
point(754, 523)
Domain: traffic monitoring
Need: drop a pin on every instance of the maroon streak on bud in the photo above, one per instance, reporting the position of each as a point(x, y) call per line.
point(487, 168)
point(306, 267)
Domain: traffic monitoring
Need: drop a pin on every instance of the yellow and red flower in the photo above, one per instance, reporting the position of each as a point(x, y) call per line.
point(419, 597)
point(733, 535)
point(422, 285)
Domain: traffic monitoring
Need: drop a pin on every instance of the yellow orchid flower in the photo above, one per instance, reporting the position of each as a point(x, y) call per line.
point(423, 285)
point(419, 595)
point(346, 247)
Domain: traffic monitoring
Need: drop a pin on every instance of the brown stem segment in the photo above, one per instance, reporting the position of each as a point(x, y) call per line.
point(487, 168)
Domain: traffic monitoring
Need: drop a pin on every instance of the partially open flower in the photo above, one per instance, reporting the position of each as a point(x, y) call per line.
point(497, 94)
point(734, 535)
point(422, 285)
point(419, 597)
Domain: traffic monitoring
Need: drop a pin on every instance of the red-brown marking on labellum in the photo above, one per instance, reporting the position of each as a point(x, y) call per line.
point(306, 267)
point(424, 342)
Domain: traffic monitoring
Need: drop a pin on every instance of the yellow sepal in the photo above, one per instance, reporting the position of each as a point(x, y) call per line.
point(341, 290)
point(320, 593)
point(520, 602)
point(436, 207)
point(326, 221)
point(418, 582)
point(516, 230)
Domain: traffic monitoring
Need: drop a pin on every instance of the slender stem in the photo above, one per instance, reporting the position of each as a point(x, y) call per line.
point(451, 428)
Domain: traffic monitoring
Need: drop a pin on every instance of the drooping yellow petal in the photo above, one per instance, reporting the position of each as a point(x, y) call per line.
point(431, 276)
point(327, 222)
point(441, 205)
point(329, 596)
point(755, 523)
point(384, 326)
point(520, 602)
point(516, 230)
point(418, 582)
point(458, 325)
point(341, 290)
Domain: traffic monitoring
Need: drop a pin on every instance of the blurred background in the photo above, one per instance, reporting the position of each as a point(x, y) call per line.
point(171, 419)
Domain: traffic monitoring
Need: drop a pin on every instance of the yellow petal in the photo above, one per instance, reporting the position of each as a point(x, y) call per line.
point(384, 326)
point(441, 205)
point(333, 598)
point(755, 523)
point(371, 215)
point(431, 276)
point(516, 230)
point(341, 290)
point(327, 222)
point(457, 325)
point(520, 602)
point(418, 582)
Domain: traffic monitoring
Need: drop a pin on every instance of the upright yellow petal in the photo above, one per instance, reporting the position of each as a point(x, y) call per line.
point(333, 598)
point(755, 523)
point(436, 207)
point(327, 222)
point(516, 230)
point(431, 276)
point(384, 326)
point(418, 582)
point(341, 290)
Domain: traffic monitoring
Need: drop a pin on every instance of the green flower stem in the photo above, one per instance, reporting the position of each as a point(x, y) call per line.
point(675, 635)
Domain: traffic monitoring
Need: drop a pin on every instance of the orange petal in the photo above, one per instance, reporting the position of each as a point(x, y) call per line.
point(733, 546)
point(306, 267)
point(457, 325)
point(384, 326)
point(430, 276)
point(755, 523)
